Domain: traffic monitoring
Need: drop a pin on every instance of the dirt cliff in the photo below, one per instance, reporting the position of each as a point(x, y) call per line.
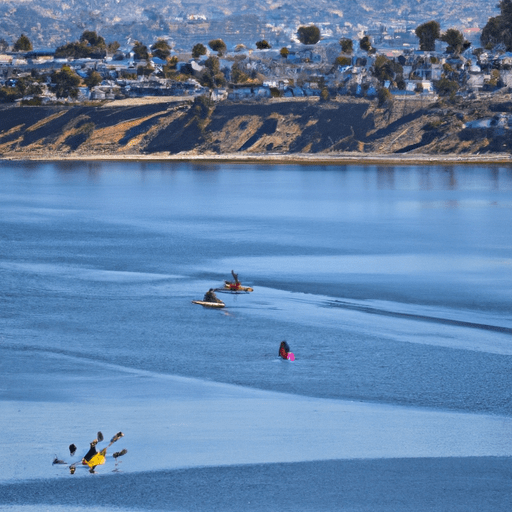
point(274, 127)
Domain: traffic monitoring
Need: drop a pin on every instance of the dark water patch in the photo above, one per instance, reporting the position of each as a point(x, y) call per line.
point(423, 318)
point(386, 485)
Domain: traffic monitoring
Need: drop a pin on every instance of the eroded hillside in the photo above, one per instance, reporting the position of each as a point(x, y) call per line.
point(286, 127)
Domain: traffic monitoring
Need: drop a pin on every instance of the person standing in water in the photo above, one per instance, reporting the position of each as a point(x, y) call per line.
point(284, 349)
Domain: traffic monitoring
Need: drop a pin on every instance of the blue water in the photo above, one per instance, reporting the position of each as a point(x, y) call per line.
point(391, 284)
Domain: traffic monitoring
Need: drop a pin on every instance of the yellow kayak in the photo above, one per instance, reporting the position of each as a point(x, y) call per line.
point(96, 460)
point(209, 304)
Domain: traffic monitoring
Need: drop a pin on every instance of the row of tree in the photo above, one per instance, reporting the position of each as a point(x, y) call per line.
point(430, 32)
point(22, 44)
point(91, 45)
point(497, 32)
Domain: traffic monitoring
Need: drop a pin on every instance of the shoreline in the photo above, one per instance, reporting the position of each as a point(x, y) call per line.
point(313, 159)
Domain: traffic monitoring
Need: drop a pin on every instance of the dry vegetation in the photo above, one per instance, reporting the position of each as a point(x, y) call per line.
point(340, 127)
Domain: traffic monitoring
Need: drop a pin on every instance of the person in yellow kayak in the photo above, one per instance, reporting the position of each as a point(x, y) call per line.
point(94, 457)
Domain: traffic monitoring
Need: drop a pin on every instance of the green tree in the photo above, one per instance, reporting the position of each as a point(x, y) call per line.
point(455, 40)
point(198, 50)
point(212, 76)
point(113, 47)
point(169, 69)
point(213, 64)
point(90, 45)
point(4, 45)
point(95, 44)
point(218, 45)
point(494, 80)
point(145, 70)
point(347, 46)
point(366, 44)
point(161, 49)
point(385, 97)
point(309, 34)
point(284, 52)
point(428, 33)
point(386, 69)
point(201, 107)
point(172, 63)
point(71, 50)
point(140, 51)
point(491, 33)
point(237, 75)
point(23, 44)
point(324, 94)
point(498, 29)
point(65, 82)
point(446, 87)
point(343, 61)
point(93, 79)
point(263, 45)
point(91, 38)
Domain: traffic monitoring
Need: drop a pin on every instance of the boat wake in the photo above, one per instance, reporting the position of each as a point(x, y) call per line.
point(400, 322)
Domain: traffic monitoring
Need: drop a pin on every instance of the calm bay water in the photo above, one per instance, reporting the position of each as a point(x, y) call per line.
point(391, 284)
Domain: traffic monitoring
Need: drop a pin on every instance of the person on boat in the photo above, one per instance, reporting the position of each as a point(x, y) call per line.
point(210, 296)
point(284, 349)
point(236, 284)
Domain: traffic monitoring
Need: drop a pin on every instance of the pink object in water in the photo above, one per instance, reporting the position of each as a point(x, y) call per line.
point(290, 356)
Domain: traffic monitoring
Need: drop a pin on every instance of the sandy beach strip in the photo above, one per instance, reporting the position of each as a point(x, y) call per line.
point(296, 158)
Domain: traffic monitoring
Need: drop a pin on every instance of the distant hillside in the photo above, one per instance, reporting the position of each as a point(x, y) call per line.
point(50, 23)
point(258, 128)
